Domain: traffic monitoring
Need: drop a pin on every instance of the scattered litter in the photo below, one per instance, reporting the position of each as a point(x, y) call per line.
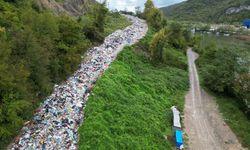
point(56, 121)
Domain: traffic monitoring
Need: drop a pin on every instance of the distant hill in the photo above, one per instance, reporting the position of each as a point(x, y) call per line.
point(215, 11)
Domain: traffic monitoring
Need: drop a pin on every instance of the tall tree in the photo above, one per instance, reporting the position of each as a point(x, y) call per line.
point(154, 16)
point(148, 6)
point(5, 51)
point(93, 21)
point(157, 45)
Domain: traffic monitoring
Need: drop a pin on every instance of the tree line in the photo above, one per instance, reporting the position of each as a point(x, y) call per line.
point(169, 38)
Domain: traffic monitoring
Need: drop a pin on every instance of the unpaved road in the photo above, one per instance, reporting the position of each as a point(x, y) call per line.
point(204, 124)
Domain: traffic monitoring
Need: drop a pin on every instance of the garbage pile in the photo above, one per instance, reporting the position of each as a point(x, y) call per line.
point(56, 121)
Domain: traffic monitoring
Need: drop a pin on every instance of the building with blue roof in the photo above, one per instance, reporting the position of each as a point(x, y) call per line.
point(246, 23)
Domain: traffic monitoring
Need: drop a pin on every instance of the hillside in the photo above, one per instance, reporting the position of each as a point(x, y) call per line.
point(137, 116)
point(39, 49)
point(209, 10)
point(70, 7)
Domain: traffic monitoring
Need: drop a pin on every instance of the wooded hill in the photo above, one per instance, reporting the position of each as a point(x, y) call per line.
point(214, 11)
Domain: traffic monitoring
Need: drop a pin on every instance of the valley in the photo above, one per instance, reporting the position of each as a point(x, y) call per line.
point(76, 74)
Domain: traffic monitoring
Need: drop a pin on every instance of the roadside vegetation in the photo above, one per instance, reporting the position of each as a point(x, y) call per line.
point(235, 117)
point(129, 107)
point(39, 49)
point(224, 68)
point(114, 21)
point(169, 43)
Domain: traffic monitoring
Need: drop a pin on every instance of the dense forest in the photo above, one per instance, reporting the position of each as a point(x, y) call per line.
point(212, 11)
point(39, 49)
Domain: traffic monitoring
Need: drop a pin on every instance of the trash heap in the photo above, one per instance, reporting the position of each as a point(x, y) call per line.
point(56, 121)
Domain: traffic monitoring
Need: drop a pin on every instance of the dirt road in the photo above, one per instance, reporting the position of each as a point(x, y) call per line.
point(204, 124)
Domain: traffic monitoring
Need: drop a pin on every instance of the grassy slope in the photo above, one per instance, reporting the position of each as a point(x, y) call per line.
point(130, 105)
point(228, 106)
point(235, 118)
point(114, 22)
point(206, 11)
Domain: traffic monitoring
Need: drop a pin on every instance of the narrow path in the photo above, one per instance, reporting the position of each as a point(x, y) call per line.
point(204, 124)
point(56, 122)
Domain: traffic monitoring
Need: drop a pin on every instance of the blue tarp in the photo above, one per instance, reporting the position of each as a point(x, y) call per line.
point(178, 139)
point(246, 23)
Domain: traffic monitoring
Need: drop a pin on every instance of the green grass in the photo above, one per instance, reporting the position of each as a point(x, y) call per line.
point(114, 22)
point(235, 118)
point(129, 107)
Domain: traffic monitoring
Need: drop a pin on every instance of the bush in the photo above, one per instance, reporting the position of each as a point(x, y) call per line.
point(175, 58)
point(114, 21)
point(93, 22)
point(176, 36)
point(145, 42)
point(163, 47)
point(154, 16)
point(219, 76)
point(226, 70)
point(157, 45)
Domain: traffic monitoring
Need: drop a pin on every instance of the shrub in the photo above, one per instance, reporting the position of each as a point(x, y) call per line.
point(226, 70)
point(174, 58)
point(154, 16)
point(157, 45)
